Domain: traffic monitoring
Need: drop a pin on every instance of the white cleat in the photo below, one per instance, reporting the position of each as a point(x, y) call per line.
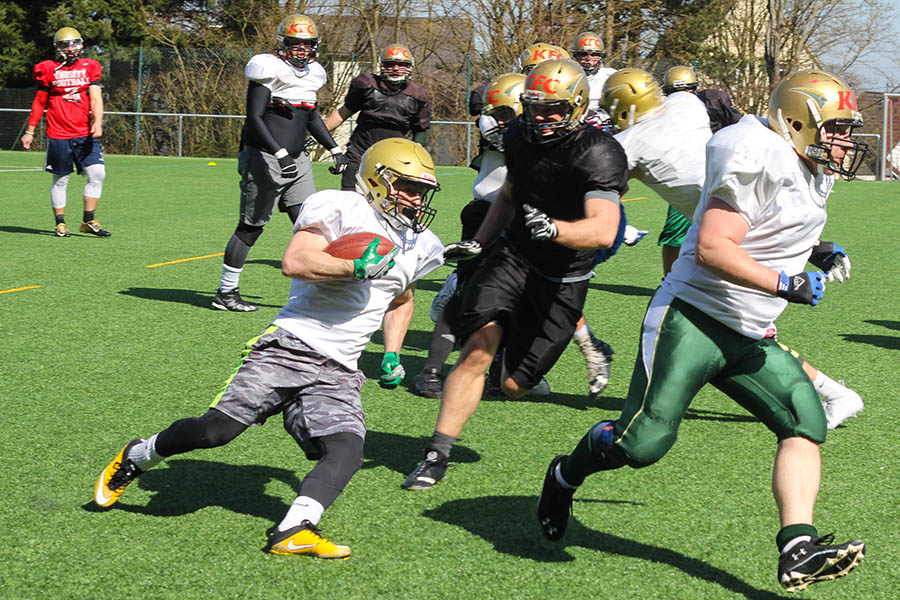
point(840, 408)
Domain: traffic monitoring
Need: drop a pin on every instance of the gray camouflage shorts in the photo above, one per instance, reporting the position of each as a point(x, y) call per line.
point(279, 373)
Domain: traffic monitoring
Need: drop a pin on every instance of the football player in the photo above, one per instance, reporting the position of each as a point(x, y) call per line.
point(281, 109)
point(68, 86)
point(559, 204)
point(760, 214)
point(304, 365)
point(721, 114)
point(665, 139)
point(389, 105)
point(587, 50)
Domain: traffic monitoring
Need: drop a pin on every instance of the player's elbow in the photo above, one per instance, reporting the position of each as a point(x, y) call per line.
point(707, 251)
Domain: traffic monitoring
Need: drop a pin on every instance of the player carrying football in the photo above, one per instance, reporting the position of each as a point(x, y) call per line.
point(281, 109)
point(304, 364)
point(712, 321)
point(69, 88)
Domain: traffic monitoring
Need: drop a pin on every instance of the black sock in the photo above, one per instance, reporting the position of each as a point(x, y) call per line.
point(442, 443)
point(61, 218)
point(88, 216)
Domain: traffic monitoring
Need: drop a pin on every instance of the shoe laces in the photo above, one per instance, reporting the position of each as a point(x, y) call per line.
point(825, 540)
point(125, 472)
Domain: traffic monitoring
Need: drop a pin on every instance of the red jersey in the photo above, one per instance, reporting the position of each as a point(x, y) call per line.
point(65, 91)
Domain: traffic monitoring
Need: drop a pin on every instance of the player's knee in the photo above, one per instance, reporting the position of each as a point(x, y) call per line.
point(342, 456)
point(512, 389)
point(647, 451)
point(95, 174)
point(217, 429)
point(248, 233)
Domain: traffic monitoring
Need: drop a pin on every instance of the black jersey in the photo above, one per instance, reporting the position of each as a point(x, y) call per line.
point(554, 177)
point(385, 111)
point(721, 111)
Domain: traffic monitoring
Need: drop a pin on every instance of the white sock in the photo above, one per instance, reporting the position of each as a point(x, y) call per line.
point(302, 509)
point(827, 387)
point(583, 332)
point(144, 454)
point(230, 278)
point(559, 479)
point(794, 542)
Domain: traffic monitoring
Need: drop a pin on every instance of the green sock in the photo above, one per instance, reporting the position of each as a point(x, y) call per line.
point(791, 531)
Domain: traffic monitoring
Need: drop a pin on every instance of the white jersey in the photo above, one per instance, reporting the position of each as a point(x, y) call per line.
point(491, 175)
point(337, 318)
point(596, 81)
point(294, 84)
point(669, 150)
point(752, 169)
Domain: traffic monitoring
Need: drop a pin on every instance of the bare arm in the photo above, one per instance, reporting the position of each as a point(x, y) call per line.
point(718, 249)
point(306, 260)
point(397, 319)
point(95, 94)
point(337, 117)
point(596, 230)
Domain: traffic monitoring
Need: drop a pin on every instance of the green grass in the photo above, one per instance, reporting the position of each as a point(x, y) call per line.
point(106, 349)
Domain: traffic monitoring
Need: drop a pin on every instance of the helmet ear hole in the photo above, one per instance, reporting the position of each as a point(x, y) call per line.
point(797, 125)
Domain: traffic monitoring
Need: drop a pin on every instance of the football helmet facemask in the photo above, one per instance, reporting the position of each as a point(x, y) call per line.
point(297, 41)
point(631, 96)
point(69, 45)
point(554, 88)
point(679, 79)
point(394, 166)
point(537, 53)
point(816, 113)
point(396, 64)
point(587, 50)
point(502, 104)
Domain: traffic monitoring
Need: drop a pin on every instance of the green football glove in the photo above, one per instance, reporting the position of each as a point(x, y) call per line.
point(392, 372)
point(372, 265)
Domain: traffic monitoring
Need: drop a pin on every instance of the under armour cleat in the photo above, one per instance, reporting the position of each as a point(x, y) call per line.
point(816, 560)
point(554, 504)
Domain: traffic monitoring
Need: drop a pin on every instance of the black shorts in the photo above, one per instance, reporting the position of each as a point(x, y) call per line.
point(538, 316)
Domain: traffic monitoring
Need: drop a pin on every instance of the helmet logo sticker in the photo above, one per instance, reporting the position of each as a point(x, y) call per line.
point(300, 28)
point(846, 99)
point(815, 95)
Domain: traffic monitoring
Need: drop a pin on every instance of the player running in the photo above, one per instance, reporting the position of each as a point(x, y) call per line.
point(304, 364)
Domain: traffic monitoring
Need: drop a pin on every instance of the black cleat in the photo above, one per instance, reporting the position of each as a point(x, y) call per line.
point(554, 504)
point(427, 384)
point(428, 472)
point(817, 560)
point(232, 301)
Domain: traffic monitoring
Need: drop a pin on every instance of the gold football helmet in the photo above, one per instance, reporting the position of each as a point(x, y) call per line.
point(297, 41)
point(502, 104)
point(396, 63)
point(537, 53)
point(557, 87)
point(68, 44)
point(587, 50)
point(679, 79)
point(631, 96)
point(396, 165)
point(811, 106)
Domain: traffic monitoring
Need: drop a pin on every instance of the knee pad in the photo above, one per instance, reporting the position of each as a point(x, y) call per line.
point(58, 190)
point(248, 233)
point(93, 187)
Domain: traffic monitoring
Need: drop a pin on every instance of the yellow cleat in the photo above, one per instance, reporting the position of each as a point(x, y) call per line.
point(117, 474)
point(61, 230)
point(304, 540)
point(93, 226)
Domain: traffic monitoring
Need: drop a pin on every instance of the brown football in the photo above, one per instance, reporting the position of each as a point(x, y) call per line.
point(352, 246)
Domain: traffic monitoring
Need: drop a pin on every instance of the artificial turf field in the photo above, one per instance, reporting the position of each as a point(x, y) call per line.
point(101, 348)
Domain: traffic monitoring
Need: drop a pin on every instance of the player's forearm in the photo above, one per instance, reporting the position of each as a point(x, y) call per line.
point(337, 117)
point(96, 98)
point(396, 322)
point(320, 132)
point(307, 264)
point(596, 231)
point(37, 111)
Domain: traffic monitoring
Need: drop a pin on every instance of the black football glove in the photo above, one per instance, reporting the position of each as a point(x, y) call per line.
point(340, 163)
point(287, 164)
point(542, 227)
point(802, 288)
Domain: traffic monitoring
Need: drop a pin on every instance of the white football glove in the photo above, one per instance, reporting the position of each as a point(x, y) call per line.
point(633, 235)
point(840, 270)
